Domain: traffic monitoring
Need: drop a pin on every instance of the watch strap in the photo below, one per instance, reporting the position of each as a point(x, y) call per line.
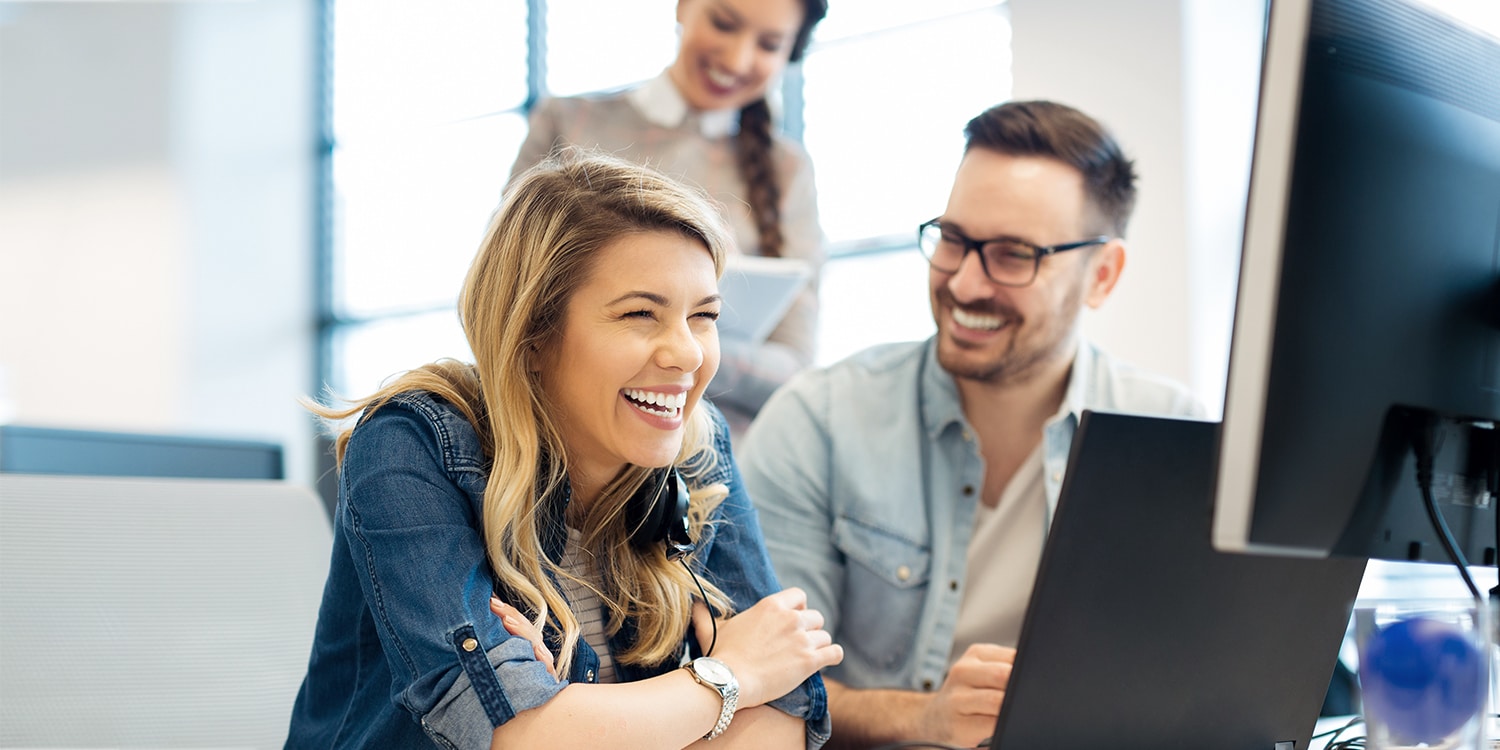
point(729, 695)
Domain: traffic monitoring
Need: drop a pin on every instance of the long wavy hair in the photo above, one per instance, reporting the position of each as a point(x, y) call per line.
point(540, 247)
point(753, 142)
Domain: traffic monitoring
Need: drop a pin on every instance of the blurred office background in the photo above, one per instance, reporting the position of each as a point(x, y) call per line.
point(209, 209)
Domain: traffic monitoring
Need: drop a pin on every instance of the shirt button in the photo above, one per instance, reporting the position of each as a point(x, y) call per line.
point(953, 585)
point(470, 644)
point(968, 490)
point(1056, 477)
point(968, 436)
point(927, 685)
point(903, 573)
point(589, 675)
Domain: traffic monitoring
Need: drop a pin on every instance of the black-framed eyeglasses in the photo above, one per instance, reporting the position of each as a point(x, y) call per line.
point(1006, 260)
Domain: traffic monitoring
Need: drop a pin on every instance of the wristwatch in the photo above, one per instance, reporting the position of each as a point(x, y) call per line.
point(715, 675)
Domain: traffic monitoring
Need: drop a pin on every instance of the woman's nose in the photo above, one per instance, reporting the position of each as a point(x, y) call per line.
point(679, 349)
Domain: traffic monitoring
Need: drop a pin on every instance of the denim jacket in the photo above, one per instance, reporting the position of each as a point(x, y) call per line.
point(865, 475)
point(406, 652)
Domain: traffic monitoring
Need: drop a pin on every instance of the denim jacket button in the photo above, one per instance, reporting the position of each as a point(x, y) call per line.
point(470, 644)
point(903, 573)
point(589, 675)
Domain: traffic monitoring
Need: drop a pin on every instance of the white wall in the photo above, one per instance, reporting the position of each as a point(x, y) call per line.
point(157, 167)
point(1176, 80)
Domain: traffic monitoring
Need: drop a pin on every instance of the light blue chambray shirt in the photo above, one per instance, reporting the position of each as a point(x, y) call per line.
point(866, 476)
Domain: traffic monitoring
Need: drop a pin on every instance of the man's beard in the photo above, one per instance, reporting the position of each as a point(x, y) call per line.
point(1029, 349)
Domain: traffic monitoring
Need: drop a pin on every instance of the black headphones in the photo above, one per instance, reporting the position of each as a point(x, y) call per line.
point(658, 514)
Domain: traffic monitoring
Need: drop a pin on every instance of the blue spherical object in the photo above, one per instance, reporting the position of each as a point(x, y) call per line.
point(1422, 678)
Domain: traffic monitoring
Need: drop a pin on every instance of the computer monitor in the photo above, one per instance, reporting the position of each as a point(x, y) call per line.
point(1369, 292)
point(26, 449)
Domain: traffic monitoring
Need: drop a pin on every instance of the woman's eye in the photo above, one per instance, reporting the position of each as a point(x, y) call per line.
point(770, 45)
point(723, 24)
point(646, 314)
point(709, 314)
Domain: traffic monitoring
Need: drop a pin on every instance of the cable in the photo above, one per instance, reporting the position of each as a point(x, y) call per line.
point(1333, 736)
point(913, 744)
point(1424, 443)
point(713, 621)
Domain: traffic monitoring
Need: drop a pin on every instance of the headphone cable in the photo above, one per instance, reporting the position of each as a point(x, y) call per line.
point(713, 621)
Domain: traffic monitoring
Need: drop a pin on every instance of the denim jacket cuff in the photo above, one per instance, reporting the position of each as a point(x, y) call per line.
point(809, 702)
point(492, 689)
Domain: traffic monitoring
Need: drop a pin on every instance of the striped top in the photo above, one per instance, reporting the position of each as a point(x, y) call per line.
point(587, 606)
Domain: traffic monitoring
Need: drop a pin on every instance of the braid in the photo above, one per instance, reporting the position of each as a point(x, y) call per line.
point(752, 149)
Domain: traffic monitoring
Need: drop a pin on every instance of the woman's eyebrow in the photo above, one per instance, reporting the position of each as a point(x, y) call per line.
point(648, 296)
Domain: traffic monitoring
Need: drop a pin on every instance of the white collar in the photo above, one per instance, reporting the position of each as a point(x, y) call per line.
point(659, 101)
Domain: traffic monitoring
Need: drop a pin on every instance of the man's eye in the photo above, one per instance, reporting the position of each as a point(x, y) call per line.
point(1011, 252)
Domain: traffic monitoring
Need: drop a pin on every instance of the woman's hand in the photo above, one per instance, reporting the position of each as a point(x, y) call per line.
point(517, 625)
point(772, 646)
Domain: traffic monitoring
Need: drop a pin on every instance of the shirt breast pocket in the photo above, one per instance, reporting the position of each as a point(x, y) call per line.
point(884, 589)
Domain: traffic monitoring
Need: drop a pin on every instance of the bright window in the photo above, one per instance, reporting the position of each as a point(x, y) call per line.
point(427, 112)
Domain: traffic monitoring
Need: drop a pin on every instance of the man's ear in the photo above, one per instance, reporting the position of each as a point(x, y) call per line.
point(1104, 272)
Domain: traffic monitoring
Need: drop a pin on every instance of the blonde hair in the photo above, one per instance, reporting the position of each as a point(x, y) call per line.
point(540, 247)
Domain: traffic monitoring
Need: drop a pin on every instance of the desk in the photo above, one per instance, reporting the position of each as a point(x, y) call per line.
point(1332, 723)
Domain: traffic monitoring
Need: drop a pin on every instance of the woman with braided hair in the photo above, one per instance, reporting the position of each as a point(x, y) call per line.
point(705, 121)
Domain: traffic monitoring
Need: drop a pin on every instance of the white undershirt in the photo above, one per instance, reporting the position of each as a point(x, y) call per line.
point(1004, 553)
point(587, 606)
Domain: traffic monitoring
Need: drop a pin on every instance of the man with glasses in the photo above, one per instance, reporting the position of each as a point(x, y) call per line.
point(908, 489)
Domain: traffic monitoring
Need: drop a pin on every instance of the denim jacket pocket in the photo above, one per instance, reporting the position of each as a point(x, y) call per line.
point(884, 590)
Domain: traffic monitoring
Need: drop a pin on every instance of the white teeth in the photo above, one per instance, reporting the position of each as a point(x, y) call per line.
point(718, 78)
point(670, 404)
point(976, 321)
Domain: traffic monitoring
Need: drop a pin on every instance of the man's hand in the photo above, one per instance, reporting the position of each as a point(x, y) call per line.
point(962, 712)
point(965, 708)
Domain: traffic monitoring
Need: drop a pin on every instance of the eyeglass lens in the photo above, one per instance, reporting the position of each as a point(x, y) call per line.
point(1007, 262)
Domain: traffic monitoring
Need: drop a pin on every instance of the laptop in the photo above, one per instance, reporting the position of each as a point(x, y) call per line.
point(1140, 635)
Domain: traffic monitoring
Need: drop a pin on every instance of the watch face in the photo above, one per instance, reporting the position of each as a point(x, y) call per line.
point(713, 670)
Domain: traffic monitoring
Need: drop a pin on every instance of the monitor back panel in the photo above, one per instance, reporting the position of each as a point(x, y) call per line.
point(1140, 634)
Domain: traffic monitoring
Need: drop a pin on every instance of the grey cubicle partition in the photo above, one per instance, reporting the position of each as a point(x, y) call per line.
point(155, 612)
